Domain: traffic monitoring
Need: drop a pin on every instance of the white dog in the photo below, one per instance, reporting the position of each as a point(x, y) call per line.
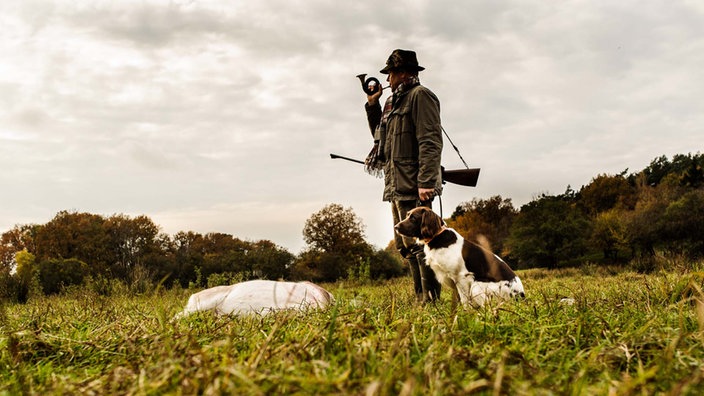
point(469, 268)
point(258, 297)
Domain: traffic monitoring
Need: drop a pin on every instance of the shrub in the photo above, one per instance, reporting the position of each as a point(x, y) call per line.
point(12, 289)
point(224, 278)
point(54, 274)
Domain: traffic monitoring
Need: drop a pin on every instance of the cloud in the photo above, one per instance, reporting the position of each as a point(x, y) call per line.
point(219, 116)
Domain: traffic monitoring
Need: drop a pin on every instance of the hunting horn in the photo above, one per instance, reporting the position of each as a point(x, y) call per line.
point(369, 85)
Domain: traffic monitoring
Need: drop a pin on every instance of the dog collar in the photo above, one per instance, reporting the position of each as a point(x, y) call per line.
point(427, 240)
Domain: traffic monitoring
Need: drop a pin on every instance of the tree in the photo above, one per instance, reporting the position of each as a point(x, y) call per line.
point(224, 253)
point(270, 261)
point(188, 251)
point(385, 264)
point(609, 233)
point(334, 229)
point(335, 238)
point(75, 235)
point(55, 274)
point(606, 192)
point(547, 231)
point(218, 243)
point(319, 266)
point(686, 167)
point(683, 227)
point(491, 217)
point(693, 175)
point(27, 275)
point(657, 170)
point(645, 224)
point(129, 242)
point(19, 238)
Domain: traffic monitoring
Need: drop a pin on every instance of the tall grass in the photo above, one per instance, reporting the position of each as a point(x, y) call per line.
point(625, 333)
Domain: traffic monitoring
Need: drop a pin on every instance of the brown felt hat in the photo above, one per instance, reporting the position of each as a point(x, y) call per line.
point(402, 60)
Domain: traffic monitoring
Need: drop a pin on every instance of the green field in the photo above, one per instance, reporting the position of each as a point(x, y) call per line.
point(626, 333)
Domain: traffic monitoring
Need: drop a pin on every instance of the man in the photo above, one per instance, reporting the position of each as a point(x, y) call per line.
point(407, 147)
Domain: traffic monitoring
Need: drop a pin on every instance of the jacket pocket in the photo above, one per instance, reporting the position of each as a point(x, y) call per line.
point(406, 177)
point(405, 144)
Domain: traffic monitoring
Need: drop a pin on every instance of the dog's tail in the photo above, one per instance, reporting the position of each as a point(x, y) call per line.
point(485, 245)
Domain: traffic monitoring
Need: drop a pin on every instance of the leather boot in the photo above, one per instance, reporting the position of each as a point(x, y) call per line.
point(417, 277)
point(429, 282)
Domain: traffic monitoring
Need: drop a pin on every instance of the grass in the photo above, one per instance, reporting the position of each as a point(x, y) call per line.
point(626, 333)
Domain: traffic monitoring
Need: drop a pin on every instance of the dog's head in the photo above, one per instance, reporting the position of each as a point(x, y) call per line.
point(421, 223)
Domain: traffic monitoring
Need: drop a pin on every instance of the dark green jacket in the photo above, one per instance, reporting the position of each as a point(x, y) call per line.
point(411, 142)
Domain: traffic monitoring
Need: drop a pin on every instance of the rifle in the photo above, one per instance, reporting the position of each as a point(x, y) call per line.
point(463, 177)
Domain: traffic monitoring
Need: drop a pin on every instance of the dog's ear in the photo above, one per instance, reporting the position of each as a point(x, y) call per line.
point(430, 224)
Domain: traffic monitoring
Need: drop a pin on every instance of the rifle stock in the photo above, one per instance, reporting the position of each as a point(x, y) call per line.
point(462, 177)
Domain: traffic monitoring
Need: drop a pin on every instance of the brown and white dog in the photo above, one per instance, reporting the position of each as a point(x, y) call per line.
point(469, 268)
point(258, 297)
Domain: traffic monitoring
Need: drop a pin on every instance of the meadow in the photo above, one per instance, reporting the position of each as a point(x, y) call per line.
point(625, 333)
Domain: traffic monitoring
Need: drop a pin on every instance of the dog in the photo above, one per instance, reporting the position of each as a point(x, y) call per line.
point(258, 297)
point(468, 268)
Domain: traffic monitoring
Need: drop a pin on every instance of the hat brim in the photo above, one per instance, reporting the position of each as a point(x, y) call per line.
point(387, 69)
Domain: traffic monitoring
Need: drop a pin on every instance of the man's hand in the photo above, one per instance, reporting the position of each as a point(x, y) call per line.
point(373, 99)
point(426, 194)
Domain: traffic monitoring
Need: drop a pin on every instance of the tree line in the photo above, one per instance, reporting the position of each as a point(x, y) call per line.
point(637, 218)
point(628, 218)
point(121, 251)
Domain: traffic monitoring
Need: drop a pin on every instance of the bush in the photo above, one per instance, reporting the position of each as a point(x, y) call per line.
point(548, 231)
point(224, 279)
point(141, 281)
point(54, 274)
point(680, 263)
point(317, 266)
point(682, 224)
point(12, 289)
point(105, 286)
point(360, 273)
point(386, 265)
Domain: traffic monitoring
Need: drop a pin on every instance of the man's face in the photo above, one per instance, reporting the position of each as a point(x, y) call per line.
point(395, 78)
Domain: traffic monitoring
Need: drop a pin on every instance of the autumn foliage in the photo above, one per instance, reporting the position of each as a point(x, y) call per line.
point(639, 218)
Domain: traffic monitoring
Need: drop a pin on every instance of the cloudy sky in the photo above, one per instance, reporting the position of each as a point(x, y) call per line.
point(219, 116)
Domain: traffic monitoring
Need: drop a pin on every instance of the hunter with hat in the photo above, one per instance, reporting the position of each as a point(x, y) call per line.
point(407, 149)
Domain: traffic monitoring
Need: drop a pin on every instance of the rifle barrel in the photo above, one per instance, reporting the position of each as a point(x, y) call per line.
point(335, 156)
